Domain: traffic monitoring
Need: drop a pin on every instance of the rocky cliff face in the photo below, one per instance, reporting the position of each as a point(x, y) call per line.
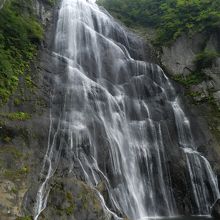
point(201, 85)
point(24, 125)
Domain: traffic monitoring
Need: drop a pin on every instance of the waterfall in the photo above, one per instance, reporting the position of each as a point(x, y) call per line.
point(111, 113)
point(2, 2)
point(199, 168)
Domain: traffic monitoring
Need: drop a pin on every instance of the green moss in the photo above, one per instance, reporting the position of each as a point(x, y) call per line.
point(51, 2)
point(16, 116)
point(214, 106)
point(69, 196)
point(85, 196)
point(89, 198)
point(20, 34)
point(14, 190)
point(2, 123)
point(7, 139)
point(70, 207)
point(16, 174)
point(24, 170)
point(194, 94)
point(17, 101)
point(11, 150)
point(29, 82)
point(191, 79)
point(24, 218)
point(70, 210)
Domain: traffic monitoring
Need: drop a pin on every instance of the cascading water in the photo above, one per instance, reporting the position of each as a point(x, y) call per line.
point(199, 168)
point(2, 2)
point(111, 114)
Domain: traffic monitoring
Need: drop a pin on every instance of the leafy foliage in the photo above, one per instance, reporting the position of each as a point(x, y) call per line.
point(20, 33)
point(51, 2)
point(143, 12)
point(187, 16)
point(16, 116)
point(171, 18)
point(205, 59)
point(191, 79)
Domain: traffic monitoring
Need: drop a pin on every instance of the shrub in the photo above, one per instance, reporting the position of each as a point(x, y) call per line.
point(191, 79)
point(16, 116)
point(205, 59)
point(20, 33)
point(171, 18)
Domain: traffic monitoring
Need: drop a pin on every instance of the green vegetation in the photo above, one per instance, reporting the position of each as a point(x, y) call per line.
point(24, 218)
point(135, 12)
point(202, 60)
point(11, 150)
point(69, 196)
point(16, 116)
point(171, 18)
point(16, 174)
point(205, 59)
point(191, 79)
point(184, 16)
point(69, 210)
point(14, 190)
point(17, 101)
point(51, 2)
point(84, 195)
point(20, 34)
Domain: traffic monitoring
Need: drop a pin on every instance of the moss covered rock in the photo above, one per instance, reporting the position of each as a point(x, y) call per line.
point(71, 198)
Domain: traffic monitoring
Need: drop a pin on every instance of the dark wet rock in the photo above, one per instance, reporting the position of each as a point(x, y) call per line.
point(72, 199)
point(22, 142)
point(215, 210)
